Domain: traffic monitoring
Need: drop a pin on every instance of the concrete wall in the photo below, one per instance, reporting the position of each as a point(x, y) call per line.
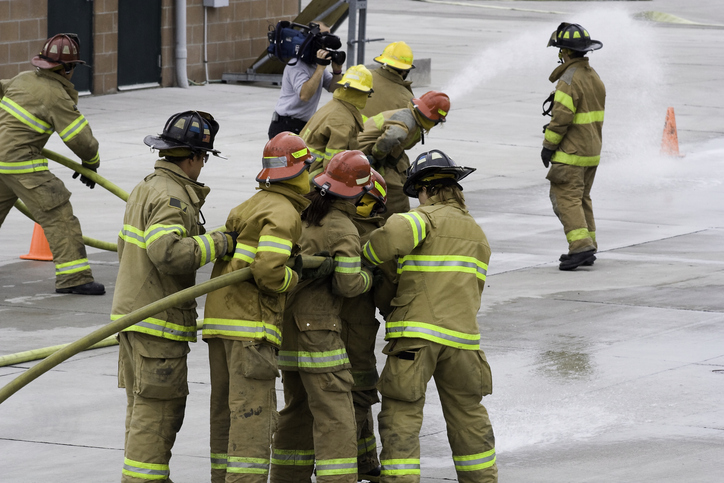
point(236, 37)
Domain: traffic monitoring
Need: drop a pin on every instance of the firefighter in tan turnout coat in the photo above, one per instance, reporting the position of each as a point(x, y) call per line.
point(243, 322)
point(33, 105)
point(442, 259)
point(392, 89)
point(160, 248)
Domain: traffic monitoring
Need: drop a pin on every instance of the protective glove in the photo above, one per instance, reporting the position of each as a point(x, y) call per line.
point(87, 181)
point(323, 271)
point(378, 276)
point(546, 155)
point(231, 237)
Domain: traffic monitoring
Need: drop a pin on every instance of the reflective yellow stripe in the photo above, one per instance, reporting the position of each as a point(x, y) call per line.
point(244, 465)
point(94, 159)
point(565, 99)
point(366, 445)
point(367, 281)
point(293, 457)
point(154, 232)
point(434, 333)
point(418, 226)
point(291, 359)
point(475, 462)
point(73, 129)
point(592, 234)
point(161, 328)
point(588, 117)
point(131, 234)
point(350, 265)
point(245, 252)
point(207, 247)
point(145, 471)
point(579, 234)
point(553, 137)
point(25, 117)
point(22, 167)
point(274, 244)
point(242, 328)
point(72, 267)
point(338, 466)
point(370, 254)
point(288, 277)
point(409, 466)
point(572, 159)
point(218, 461)
point(442, 263)
point(379, 120)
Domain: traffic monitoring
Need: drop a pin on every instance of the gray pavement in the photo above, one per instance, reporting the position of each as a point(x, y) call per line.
point(613, 372)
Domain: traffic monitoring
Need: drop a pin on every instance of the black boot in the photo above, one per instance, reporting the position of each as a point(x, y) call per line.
point(90, 288)
point(571, 262)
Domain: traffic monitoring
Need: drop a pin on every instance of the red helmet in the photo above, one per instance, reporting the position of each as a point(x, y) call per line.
point(286, 155)
point(378, 190)
point(60, 49)
point(434, 105)
point(347, 175)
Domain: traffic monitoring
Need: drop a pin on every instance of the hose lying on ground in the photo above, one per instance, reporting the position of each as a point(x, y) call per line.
point(128, 320)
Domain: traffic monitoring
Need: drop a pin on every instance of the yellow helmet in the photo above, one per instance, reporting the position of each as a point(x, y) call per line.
point(397, 55)
point(357, 77)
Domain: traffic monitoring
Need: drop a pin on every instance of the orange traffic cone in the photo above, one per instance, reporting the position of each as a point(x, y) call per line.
point(670, 140)
point(39, 248)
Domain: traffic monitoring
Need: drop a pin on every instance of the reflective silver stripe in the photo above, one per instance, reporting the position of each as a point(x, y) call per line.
point(447, 263)
point(207, 251)
point(433, 333)
point(247, 465)
point(191, 332)
point(255, 332)
point(335, 467)
point(76, 267)
point(271, 244)
point(475, 462)
point(313, 359)
point(24, 166)
point(401, 467)
point(291, 457)
point(25, 117)
point(218, 460)
point(418, 227)
point(73, 129)
point(135, 236)
point(278, 162)
point(146, 471)
point(163, 229)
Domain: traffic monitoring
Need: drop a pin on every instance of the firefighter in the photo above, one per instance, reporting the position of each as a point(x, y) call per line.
point(392, 89)
point(572, 144)
point(442, 258)
point(34, 105)
point(359, 333)
point(388, 135)
point(243, 322)
point(318, 419)
point(334, 127)
point(160, 247)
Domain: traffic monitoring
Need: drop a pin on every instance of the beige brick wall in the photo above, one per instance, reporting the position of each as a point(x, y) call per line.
point(236, 37)
point(23, 25)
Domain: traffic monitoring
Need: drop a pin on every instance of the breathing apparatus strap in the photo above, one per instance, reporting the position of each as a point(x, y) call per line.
point(549, 108)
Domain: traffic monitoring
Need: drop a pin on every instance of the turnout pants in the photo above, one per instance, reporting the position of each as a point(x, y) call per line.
point(153, 371)
point(48, 201)
point(571, 199)
point(462, 378)
point(317, 423)
point(243, 409)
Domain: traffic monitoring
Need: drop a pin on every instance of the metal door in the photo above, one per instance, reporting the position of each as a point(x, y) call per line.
point(75, 16)
point(139, 43)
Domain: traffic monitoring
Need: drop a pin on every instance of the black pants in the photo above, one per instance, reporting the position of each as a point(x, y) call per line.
point(285, 123)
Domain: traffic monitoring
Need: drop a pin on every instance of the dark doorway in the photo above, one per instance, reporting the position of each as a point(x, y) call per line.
point(75, 16)
point(139, 43)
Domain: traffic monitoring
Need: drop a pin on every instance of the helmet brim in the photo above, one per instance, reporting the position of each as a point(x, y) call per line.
point(157, 142)
point(37, 61)
point(460, 173)
point(385, 61)
point(336, 188)
point(281, 174)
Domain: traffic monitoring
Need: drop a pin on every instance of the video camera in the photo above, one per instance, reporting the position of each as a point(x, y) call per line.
point(292, 40)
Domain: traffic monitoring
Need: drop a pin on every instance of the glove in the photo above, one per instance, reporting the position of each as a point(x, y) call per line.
point(378, 276)
point(87, 181)
point(231, 237)
point(323, 271)
point(298, 266)
point(546, 155)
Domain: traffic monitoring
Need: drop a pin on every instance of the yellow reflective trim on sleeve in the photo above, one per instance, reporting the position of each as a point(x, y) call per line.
point(94, 159)
point(131, 234)
point(418, 226)
point(73, 129)
point(367, 280)
point(379, 120)
point(565, 99)
point(25, 117)
point(207, 247)
point(553, 137)
point(22, 167)
point(588, 117)
point(370, 254)
point(154, 232)
point(350, 265)
point(245, 252)
point(572, 159)
point(288, 277)
point(268, 243)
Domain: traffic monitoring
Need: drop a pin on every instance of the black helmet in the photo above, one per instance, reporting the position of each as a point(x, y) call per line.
point(195, 130)
point(429, 164)
point(573, 37)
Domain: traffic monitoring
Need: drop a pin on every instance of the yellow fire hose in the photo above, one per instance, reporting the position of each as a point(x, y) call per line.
point(128, 320)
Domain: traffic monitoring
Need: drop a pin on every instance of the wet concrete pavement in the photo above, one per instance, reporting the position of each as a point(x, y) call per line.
point(613, 372)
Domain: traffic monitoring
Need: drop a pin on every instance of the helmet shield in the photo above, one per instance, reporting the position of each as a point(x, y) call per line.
point(430, 164)
point(285, 156)
point(195, 130)
point(348, 175)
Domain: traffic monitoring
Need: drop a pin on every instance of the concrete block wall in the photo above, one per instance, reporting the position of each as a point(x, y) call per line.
point(23, 28)
point(105, 46)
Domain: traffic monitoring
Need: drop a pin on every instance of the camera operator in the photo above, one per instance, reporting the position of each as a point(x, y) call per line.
point(303, 81)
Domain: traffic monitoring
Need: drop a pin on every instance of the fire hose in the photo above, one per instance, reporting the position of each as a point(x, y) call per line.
point(134, 317)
